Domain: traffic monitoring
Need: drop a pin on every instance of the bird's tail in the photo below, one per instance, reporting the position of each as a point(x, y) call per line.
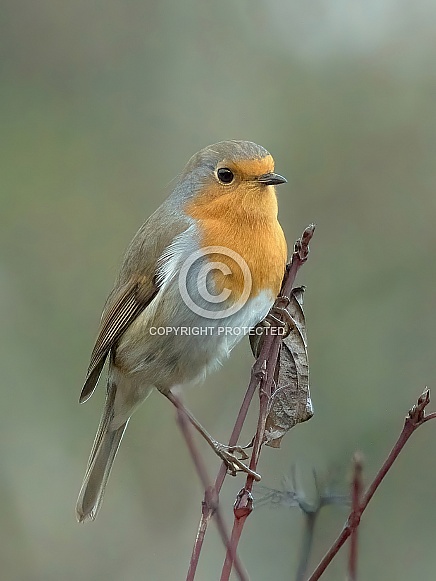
point(100, 462)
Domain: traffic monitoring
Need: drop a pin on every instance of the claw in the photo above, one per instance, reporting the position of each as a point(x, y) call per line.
point(232, 462)
point(240, 450)
point(278, 310)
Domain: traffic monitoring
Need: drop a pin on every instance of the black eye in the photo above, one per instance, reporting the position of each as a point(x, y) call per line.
point(225, 175)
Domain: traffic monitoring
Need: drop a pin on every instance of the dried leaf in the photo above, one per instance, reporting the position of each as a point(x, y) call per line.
point(290, 402)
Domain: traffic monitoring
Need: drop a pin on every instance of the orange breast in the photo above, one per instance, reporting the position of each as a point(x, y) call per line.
point(244, 221)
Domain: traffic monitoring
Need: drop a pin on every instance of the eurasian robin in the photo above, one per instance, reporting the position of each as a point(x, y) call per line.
point(203, 269)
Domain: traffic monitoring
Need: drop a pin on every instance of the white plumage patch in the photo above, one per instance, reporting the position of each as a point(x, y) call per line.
point(168, 264)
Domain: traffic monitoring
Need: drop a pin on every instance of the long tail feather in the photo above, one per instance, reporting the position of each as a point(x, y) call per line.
point(100, 462)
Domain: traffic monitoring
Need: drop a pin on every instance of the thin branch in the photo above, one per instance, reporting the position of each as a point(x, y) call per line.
point(212, 496)
point(264, 367)
point(257, 371)
point(310, 519)
point(356, 490)
point(206, 508)
point(415, 418)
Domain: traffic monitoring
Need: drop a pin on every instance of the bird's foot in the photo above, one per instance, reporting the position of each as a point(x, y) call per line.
point(279, 316)
point(231, 460)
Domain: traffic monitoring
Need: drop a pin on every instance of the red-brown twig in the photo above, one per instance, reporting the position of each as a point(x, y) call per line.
point(257, 372)
point(265, 367)
point(415, 418)
point(356, 490)
point(206, 508)
point(212, 497)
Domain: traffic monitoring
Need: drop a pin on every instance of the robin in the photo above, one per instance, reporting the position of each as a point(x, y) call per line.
point(203, 269)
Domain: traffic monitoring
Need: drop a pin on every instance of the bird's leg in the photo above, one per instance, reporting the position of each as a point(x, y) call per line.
point(226, 453)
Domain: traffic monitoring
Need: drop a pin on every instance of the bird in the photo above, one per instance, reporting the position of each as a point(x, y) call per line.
point(202, 271)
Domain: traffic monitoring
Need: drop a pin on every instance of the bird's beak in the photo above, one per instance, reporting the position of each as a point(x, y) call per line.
point(271, 179)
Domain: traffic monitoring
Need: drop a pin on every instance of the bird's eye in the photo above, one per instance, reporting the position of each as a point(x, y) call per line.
point(225, 175)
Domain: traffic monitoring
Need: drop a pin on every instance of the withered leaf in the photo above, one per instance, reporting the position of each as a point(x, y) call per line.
point(290, 402)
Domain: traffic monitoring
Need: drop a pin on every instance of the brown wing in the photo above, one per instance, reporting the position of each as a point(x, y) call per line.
point(136, 286)
point(130, 300)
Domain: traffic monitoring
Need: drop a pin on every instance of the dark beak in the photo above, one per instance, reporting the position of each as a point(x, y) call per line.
point(271, 179)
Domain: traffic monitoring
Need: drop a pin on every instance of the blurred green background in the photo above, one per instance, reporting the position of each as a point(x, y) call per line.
point(101, 105)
